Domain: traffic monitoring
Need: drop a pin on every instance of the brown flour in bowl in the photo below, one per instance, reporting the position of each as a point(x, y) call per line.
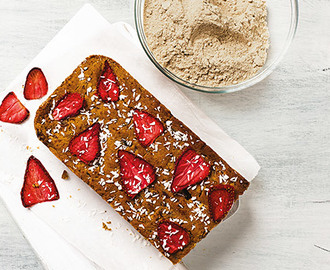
point(208, 42)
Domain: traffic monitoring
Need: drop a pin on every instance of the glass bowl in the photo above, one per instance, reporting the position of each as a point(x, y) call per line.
point(282, 24)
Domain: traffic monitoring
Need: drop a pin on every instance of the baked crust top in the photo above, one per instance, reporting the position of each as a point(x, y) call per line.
point(155, 203)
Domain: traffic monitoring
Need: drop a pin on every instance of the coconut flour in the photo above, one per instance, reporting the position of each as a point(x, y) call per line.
point(208, 42)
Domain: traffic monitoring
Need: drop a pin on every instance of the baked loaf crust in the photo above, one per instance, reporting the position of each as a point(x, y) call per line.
point(155, 203)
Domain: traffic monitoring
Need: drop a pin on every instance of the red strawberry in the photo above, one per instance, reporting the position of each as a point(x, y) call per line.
point(221, 199)
point(12, 110)
point(172, 236)
point(190, 169)
point(38, 185)
point(69, 105)
point(36, 85)
point(86, 146)
point(136, 173)
point(107, 85)
point(147, 127)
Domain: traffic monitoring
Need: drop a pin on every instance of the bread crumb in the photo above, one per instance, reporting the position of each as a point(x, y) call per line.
point(104, 226)
point(65, 175)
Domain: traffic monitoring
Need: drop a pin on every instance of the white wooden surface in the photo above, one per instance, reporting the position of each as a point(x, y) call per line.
point(284, 121)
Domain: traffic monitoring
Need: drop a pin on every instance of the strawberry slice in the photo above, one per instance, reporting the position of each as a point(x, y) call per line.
point(86, 146)
point(36, 85)
point(147, 127)
point(107, 85)
point(38, 185)
point(172, 236)
point(69, 105)
point(221, 199)
point(136, 173)
point(190, 169)
point(12, 110)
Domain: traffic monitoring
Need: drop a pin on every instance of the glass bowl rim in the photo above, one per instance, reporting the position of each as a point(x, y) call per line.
point(223, 89)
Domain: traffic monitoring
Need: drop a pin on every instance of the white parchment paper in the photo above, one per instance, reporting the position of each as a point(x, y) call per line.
point(68, 233)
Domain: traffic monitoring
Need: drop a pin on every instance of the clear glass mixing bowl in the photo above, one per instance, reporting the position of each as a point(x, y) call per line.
point(282, 23)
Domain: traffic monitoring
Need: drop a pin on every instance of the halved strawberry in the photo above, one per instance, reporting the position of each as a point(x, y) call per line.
point(38, 185)
point(107, 85)
point(36, 85)
point(69, 105)
point(12, 110)
point(135, 172)
point(86, 146)
point(172, 236)
point(221, 199)
point(147, 127)
point(190, 169)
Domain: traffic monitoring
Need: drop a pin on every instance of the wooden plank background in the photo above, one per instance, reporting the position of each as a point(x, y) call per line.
point(284, 121)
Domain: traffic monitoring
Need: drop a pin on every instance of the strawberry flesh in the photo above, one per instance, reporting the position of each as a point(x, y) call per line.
point(69, 105)
point(36, 85)
point(12, 110)
point(221, 199)
point(135, 172)
point(38, 185)
point(86, 146)
point(147, 127)
point(172, 236)
point(190, 169)
point(107, 85)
